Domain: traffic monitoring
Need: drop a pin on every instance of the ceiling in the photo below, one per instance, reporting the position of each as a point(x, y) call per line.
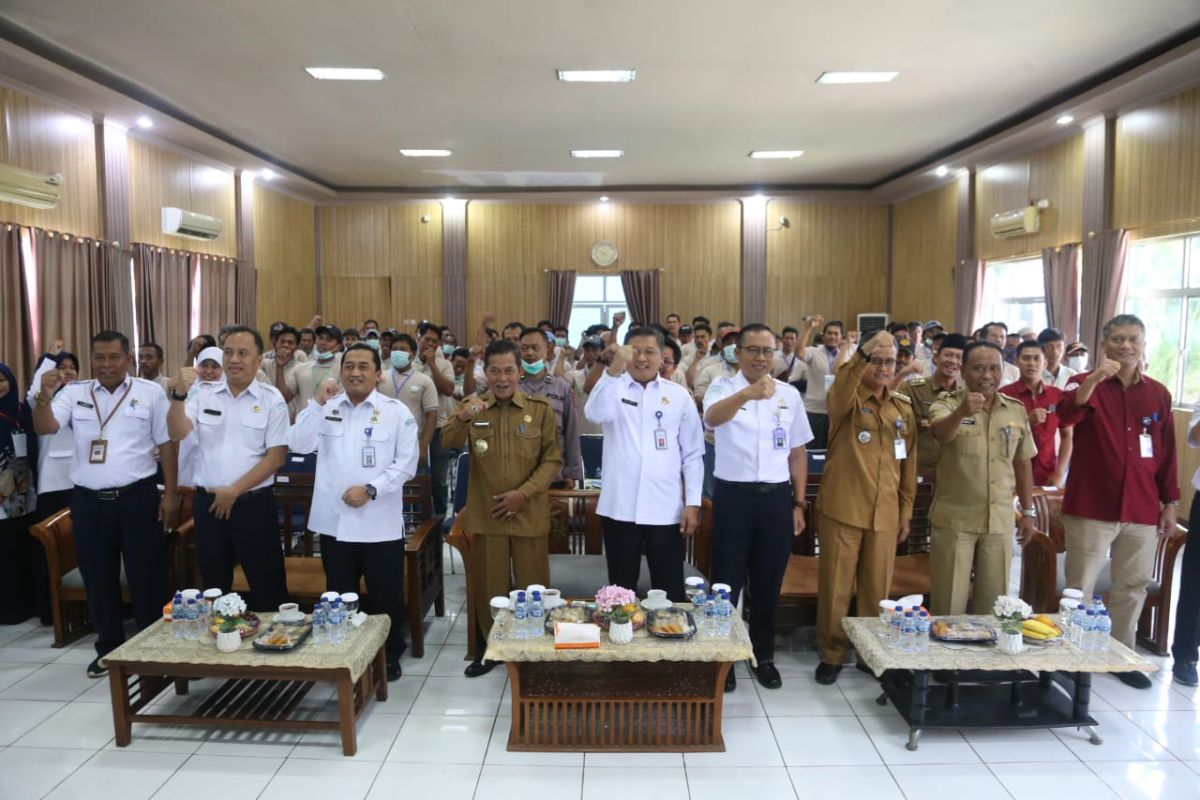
point(714, 81)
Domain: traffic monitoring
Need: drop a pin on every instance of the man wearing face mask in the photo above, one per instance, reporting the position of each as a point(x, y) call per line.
point(208, 371)
point(303, 381)
point(946, 378)
point(1077, 357)
point(821, 367)
point(536, 381)
point(415, 390)
point(866, 498)
point(432, 362)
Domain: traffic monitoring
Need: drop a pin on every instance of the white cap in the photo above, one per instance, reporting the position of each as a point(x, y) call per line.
point(209, 352)
point(192, 593)
point(1076, 593)
point(693, 580)
point(887, 605)
point(350, 597)
point(499, 602)
point(721, 587)
point(330, 596)
point(213, 594)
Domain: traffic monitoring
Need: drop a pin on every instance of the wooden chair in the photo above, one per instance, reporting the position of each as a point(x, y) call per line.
point(1043, 577)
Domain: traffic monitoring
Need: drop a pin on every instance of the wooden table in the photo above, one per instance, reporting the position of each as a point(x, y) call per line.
point(1045, 686)
point(652, 695)
point(261, 689)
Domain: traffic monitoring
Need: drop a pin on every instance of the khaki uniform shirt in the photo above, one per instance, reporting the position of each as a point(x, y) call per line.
point(975, 477)
point(865, 485)
point(512, 445)
point(557, 392)
point(415, 390)
point(308, 375)
point(922, 392)
point(266, 374)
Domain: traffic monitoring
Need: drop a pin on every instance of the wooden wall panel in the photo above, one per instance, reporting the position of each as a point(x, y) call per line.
point(160, 177)
point(41, 137)
point(284, 258)
point(1054, 173)
point(923, 248)
point(831, 260)
point(349, 299)
point(509, 246)
point(1157, 165)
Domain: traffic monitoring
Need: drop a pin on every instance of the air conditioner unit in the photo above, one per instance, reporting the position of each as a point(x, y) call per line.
point(33, 189)
point(1020, 222)
point(869, 323)
point(179, 222)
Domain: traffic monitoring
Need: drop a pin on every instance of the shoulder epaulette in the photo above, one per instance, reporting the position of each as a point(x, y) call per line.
point(919, 381)
point(903, 397)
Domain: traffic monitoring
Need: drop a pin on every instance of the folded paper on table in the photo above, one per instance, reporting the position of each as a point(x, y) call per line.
point(576, 635)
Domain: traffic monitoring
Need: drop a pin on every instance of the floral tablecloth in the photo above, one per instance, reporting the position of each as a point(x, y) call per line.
point(880, 655)
point(157, 645)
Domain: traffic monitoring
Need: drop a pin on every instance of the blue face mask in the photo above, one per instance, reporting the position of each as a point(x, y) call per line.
point(448, 349)
point(730, 353)
point(535, 368)
point(561, 341)
point(324, 356)
point(373, 344)
point(400, 359)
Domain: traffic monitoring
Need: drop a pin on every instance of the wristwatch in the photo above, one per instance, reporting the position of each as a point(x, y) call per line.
point(801, 503)
point(1029, 512)
point(177, 396)
point(371, 492)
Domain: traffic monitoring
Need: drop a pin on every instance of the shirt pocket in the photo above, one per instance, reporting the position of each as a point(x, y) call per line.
point(208, 427)
point(333, 428)
point(483, 443)
point(529, 443)
point(970, 441)
point(84, 421)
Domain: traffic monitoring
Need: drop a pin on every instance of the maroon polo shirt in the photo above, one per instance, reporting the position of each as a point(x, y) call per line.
point(1109, 479)
point(1049, 398)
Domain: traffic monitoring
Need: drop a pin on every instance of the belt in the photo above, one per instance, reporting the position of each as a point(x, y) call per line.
point(251, 493)
point(761, 488)
point(118, 492)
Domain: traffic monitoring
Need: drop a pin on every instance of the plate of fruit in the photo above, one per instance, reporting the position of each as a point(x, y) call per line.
point(1041, 630)
point(247, 624)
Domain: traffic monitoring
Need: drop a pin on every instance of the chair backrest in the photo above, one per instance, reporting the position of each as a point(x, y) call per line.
point(57, 535)
point(591, 446)
point(809, 542)
point(462, 470)
point(816, 462)
point(574, 526)
point(299, 462)
point(418, 501)
point(1049, 516)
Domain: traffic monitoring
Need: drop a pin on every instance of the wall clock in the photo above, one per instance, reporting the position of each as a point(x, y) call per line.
point(604, 254)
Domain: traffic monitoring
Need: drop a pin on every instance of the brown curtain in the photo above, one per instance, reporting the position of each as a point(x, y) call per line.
point(16, 326)
point(562, 295)
point(68, 302)
point(968, 294)
point(162, 280)
point(218, 292)
point(1103, 278)
point(112, 282)
point(246, 301)
point(1060, 272)
point(641, 294)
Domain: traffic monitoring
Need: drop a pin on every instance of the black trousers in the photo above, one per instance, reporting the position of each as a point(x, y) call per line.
point(249, 537)
point(752, 541)
point(623, 545)
point(107, 532)
point(382, 564)
point(1187, 607)
point(820, 430)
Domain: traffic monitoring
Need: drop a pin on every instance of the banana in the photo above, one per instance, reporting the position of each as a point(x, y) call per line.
point(1038, 627)
point(1046, 619)
point(1035, 634)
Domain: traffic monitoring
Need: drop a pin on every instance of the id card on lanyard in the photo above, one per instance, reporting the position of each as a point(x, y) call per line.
point(1145, 441)
point(98, 450)
point(660, 434)
point(20, 444)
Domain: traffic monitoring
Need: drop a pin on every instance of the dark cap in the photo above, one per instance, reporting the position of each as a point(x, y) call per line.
point(955, 341)
point(731, 332)
point(373, 333)
point(332, 331)
point(593, 341)
point(276, 327)
point(685, 328)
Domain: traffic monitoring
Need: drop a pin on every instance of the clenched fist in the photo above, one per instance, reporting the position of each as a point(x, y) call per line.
point(326, 390)
point(470, 408)
point(1037, 416)
point(761, 389)
point(51, 380)
point(971, 404)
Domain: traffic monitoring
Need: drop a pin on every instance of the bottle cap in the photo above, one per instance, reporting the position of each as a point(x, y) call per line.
point(693, 580)
point(1072, 593)
point(499, 602)
point(350, 597)
point(520, 597)
point(330, 595)
point(908, 613)
point(537, 595)
point(1079, 607)
point(1091, 612)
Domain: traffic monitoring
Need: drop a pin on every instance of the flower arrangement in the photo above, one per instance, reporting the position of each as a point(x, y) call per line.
point(610, 597)
point(620, 615)
point(1010, 611)
point(229, 606)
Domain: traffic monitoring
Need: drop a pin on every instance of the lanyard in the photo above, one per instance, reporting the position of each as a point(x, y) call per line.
point(399, 387)
point(11, 420)
point(96, 406)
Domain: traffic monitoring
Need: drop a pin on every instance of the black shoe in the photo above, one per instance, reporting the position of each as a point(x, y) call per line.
point(477, 668)
point(827, 674)
point(96, 669)
point(731, 679)
point(1184, 673)
point(1137, 680)
point(767, 675)
point(393, 671)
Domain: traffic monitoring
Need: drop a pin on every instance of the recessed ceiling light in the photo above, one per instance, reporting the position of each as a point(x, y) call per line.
point(1065, 119)
point(597, 75)
point(597, 153)
point(145, 122)
point(857, 76)
point(942, 171)
point(776, 153)
point(268, 175)
point(345, 73)
point(604, 198)
point(426, 153)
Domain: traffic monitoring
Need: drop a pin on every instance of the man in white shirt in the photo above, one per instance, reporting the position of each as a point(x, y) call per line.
point(241, 430)
point(1054, 346)
point(367, 447)
point(274, 371)
point(150, 364)
point(821, 363)
point(303, 381)
point(724, 363)
point(415, 390)
point(652, 468)
point(761, 471)
point(118, 422)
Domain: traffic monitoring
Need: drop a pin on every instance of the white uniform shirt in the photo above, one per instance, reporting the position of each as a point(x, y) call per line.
point(746, 450)
point(132, 436)
point(446, 403)
point(1009, 373)
point(1191, 430)
point(234, 433)
point(56, 452)
point(653, 449)
point(1065, 373)
point(374, 442)
point(820, 367)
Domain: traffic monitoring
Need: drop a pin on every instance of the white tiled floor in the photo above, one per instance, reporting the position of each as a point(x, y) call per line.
point(442, 735)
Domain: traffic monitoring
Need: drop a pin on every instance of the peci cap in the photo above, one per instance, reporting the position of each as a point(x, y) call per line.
point(955, 341)
point(1026, 332)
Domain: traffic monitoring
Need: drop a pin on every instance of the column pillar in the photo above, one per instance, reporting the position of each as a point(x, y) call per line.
point(454, 267)
point(754, 259)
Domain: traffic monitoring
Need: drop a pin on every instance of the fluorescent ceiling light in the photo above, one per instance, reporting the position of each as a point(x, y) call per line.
point(604, 198)
point(597, 153)
point(1065, 119)
point(597, 75)
point(857, 76)
point(345, 73)
point(268, 175)
point(426, 153)
point(145, 122)
point(942, 171)
point(776, 153)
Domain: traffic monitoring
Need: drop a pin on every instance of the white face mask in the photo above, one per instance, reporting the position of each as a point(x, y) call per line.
point(1077, 363)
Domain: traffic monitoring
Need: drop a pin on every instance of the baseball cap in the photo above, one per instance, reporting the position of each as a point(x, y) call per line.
point(276, 327)
point(1076, 347)
point(731, 332)
point(593, 341)
point(933, 323)
point(333, 331)
point(685, 328)
point(372, 333)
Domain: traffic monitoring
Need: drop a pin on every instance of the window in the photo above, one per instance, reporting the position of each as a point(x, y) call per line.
point(1162, 286)
point(597, 299)
point(1014, 293)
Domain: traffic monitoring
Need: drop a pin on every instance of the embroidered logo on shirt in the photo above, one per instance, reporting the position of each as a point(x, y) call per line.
point(665, 400)
point(256, 409)
point(528, 418)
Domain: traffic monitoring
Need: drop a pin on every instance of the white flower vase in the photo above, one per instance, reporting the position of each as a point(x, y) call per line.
point(229, 642)
point(1011, 643)
point(620, 632)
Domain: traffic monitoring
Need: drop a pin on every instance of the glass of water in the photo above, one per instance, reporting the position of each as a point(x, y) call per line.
point(350, 601)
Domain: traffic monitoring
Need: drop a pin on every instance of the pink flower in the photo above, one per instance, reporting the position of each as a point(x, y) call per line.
point(609, 597)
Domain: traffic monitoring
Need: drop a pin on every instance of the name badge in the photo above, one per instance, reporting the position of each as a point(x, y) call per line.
point(628, 402)
point(482, 424)
point(901, 448)
point(828, 382)
point(20, 448)
point(1147, 445)
point(84, 404)
point(214, 412)
point(779, 438)
point(334, 419)
point(368, 457)
point(660, 439)
point(98, 452)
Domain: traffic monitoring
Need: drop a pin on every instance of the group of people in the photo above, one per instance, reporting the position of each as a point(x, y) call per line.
point(685, 411)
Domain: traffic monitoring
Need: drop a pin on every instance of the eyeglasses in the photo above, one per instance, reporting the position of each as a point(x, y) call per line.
point(883, 362)
point(759, 351)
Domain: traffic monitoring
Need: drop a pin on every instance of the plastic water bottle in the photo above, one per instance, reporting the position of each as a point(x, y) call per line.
point(320, 621)
point(908, 633)
point(710, 616)
point(1103, 632)
point(724, 615)
point(536, 616)
point(1098, 603)
point(191, 613)
point(1077, 622)
point(897, 624)
point(694, 586)
point(520, 613)
point(1088, 635)
point(337, 622)
point(923, 625)
point(178, 623)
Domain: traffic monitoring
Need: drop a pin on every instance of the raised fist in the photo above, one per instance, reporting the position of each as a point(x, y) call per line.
point(1037, 416)
point(972, 403)
point(761, 389)
point(327, 389)
point(51, 380)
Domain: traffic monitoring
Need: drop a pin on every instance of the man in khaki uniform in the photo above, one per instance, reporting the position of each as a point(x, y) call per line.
point(946, 377)
point(513, 441)
point(866, 496)
point(986, 449)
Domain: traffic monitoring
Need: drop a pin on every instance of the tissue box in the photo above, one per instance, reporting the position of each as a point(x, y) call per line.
point(576, 635)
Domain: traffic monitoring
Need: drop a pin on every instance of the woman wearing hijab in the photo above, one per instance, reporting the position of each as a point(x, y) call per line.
point(18, 501)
